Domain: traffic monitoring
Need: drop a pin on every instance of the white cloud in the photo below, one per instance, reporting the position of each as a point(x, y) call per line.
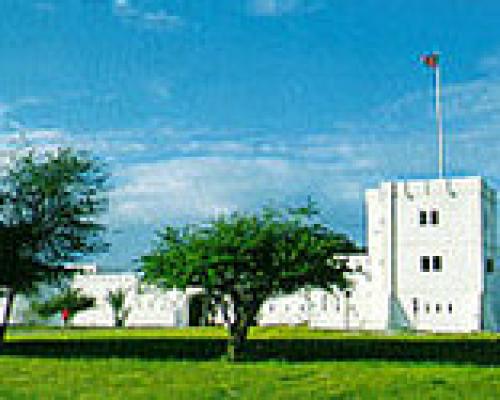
point(198, 187)
point(147, 18)
point(471, 114)
point(45, 134)
point(282, 7)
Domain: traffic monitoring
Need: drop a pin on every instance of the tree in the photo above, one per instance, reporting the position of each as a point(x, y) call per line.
point(50, 205)
point(116, 300)
point(68, 299)
point(243, 259)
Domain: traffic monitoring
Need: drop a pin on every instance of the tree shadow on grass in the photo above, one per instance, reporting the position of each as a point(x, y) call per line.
point(477, 351)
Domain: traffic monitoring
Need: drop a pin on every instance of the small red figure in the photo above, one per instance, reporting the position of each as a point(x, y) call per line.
point(65, 315)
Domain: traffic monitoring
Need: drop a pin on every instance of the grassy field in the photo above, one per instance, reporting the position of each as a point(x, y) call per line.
point(37, 378)
point(185, 364)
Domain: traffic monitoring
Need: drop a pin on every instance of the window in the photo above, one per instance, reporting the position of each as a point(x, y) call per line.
point(271, 307)
point(490, 265)
point(302, 307)
point(423, 218)
point(324, 303)
point(437, 264)
point(450, 308)
point(348, 294)
point(427, 308)
point(434, 217)
point(415, 306)
point(287, 307)
point(425, 264)
point(438, 308)
point(359, 268)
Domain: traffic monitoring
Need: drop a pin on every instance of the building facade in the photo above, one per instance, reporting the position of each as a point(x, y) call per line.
point(431, 265)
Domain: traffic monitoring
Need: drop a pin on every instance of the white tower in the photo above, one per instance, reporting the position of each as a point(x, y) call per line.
point(433, 244)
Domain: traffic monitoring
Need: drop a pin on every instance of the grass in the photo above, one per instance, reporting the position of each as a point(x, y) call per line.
point(139, 379)
point(287, 363)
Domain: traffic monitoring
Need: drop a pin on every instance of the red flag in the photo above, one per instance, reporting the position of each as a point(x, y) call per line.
point(431, 60)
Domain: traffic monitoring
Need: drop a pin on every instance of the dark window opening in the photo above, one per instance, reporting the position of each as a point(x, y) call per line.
point(437, 263)
point(423, 218)
point(450, 308)
point(425, 263)
point(438, 308)
point(427, 308)
point(434, 217)
point(415, 306)
point(490, 265)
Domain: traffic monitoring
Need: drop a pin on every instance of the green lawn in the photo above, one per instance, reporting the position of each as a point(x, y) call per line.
point(36, 378)
point(288, 363)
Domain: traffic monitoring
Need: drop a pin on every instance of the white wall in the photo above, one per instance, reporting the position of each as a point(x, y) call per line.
point(149, 306)
point(457, 239)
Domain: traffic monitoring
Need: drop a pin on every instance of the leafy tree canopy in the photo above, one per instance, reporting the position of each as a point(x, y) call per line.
point(50, 204)
point(70, 299)
point(49, 209)
point(243, 259)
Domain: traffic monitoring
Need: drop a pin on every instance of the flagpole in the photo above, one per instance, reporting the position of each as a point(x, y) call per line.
point(439, 122)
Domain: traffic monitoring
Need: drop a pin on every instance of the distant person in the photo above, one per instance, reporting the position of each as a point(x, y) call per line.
point(65, 316)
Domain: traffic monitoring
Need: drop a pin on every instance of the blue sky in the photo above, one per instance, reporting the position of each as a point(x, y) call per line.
point(210, 106)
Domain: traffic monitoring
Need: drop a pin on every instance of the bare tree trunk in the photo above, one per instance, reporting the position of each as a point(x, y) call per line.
point(226, 313)
point(244, 315)
point(7, 312)
point(238, 331)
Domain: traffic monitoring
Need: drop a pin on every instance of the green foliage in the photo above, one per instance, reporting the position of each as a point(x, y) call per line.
point(243, 259)
point(49, 209)
point(50, 205)
point(71, 299)
point(116, 300)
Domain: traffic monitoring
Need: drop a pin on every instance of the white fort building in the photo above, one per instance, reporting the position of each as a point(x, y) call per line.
point(431, 265)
